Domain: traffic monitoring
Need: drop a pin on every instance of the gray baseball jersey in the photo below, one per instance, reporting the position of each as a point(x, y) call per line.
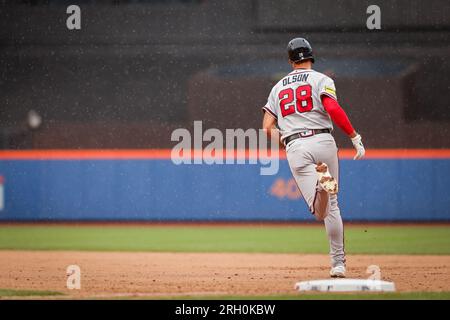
point(295, 101)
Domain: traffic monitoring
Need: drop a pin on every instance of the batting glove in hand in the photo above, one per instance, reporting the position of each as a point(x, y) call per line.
point(357, 143)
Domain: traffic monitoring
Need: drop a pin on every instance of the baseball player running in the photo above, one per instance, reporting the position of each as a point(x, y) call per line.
point(302, 107)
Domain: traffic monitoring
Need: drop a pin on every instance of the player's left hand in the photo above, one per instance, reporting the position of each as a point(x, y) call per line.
point(360, 151)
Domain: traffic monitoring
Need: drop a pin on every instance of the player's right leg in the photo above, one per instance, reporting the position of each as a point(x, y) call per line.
point(303, 156)
point(327, 153)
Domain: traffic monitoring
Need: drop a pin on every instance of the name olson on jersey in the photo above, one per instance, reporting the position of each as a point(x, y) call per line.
point(302, 77)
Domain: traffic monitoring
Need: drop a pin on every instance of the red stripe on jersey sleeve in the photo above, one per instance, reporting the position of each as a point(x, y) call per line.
point(270, 112)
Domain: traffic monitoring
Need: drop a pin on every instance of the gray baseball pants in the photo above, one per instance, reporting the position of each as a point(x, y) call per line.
point(303, 154)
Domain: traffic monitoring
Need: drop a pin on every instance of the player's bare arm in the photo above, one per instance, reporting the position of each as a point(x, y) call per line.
point(269, 125)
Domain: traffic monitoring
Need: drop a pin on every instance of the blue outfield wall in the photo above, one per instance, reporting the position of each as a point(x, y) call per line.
point(373, 189)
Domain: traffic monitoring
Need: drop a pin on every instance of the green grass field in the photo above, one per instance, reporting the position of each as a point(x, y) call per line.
point(274, 239)
point(360, 239)
point(28, 293)
point(333, 296)
point(5, 293)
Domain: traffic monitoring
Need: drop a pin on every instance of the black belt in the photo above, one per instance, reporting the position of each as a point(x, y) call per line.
point(304, 134)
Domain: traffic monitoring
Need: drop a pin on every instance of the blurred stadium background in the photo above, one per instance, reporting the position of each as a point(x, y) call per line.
point(137, 70)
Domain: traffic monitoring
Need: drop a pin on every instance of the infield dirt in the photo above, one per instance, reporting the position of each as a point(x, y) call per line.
point(110, 274)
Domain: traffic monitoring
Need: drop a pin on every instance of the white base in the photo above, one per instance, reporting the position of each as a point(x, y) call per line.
point(345, 285)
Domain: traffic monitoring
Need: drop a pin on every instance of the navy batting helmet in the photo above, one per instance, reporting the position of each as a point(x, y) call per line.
point(299, 49)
